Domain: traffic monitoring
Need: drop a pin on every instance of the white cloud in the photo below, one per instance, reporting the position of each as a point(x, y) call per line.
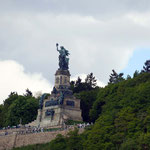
point(99, 40)
point(140, 18)
point(13, 78)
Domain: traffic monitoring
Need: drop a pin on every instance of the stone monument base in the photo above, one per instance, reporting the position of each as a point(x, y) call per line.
point(61, 105)
point(69, 110)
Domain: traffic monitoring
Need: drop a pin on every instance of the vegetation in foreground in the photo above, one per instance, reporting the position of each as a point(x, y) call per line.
point(18, 109)
point(122, 120)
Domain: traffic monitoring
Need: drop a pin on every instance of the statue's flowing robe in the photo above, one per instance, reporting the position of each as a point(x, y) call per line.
point(63, 62)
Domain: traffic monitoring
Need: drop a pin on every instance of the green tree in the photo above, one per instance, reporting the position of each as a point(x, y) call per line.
point(28, 93)
point(74, 140)
point(90, 80)
point(1, 116)
point(143, 141)
point(146, 67)
point(24, 109)
point(16, 108)
point(128, 77)
point(87, 100)
point(115, 78)
point(129, 144)
point(79, 86)
point(123, 115)
point(136, 73)
point(58, 143)
point(6, 104)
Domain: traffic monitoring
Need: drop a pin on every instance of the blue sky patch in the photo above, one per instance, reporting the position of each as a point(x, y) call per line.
point(136, 62)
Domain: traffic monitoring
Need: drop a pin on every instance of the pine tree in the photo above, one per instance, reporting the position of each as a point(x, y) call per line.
point(28, 93)
point(115, 78)
point(136, 73)
point(91, 80)
point(146, 68)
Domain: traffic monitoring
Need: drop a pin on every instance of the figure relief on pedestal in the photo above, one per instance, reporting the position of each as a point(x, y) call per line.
point(63, 58)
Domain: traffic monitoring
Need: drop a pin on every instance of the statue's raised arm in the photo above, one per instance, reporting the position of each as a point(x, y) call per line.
point(63, 60)
point(57, 47)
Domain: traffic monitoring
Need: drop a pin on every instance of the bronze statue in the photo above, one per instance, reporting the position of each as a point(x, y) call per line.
point(63, 59)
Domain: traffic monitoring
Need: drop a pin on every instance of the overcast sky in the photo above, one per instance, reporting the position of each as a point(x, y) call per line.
point(100, 35)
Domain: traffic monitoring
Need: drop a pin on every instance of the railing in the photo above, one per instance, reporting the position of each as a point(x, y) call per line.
point(31, 130)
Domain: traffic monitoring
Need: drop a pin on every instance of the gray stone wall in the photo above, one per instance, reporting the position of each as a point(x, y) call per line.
point(9, 141)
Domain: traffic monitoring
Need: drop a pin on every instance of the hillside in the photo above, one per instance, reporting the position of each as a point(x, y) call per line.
point(124, 116)
point(122, 119)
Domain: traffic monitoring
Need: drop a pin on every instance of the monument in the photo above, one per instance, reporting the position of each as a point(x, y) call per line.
point(61, 105)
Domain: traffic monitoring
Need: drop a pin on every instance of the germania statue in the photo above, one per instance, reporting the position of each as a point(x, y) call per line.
point(63, 58)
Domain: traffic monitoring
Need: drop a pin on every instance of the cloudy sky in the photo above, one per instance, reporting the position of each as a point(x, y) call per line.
point(100, 35)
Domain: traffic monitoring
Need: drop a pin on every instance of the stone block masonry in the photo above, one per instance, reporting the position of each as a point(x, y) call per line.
point(10, 141)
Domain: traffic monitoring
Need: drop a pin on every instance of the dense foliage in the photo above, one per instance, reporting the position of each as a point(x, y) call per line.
point(122, 119)
point(123, 112)
point(79, 86)
point(87, 99)
point(87, 92)
point(18, 109)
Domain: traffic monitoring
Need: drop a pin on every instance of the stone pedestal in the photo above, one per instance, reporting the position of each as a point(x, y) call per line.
point(62, 79)
point(61, 105)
